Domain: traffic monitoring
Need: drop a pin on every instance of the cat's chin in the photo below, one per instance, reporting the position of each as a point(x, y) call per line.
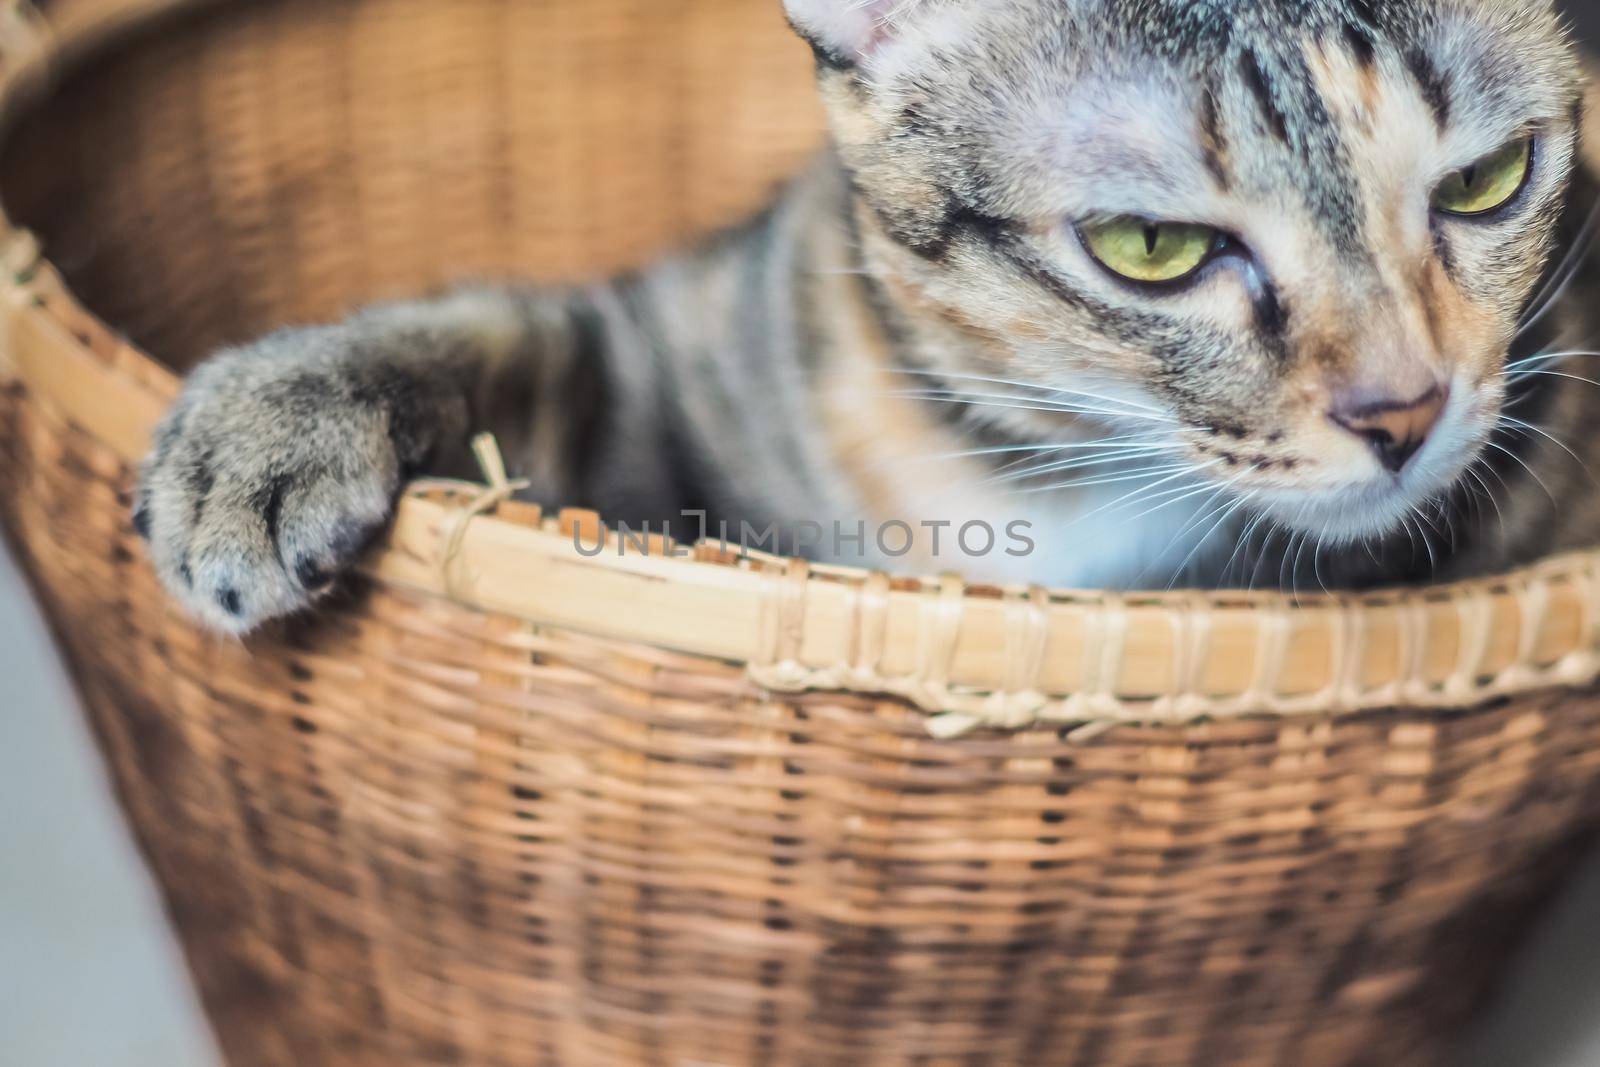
point(1346, 516)
point(1363, 511)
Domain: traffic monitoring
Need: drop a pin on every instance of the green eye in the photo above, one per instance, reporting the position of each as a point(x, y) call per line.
point(1488, 184)
point(1151, 252)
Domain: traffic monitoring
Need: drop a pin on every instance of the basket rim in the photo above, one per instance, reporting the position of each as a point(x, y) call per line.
point(970, 655)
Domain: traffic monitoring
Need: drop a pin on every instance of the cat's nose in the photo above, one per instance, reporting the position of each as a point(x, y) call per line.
point(1395, 429)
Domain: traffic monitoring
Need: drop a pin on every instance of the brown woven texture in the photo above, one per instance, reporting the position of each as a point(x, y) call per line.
point(414, 832)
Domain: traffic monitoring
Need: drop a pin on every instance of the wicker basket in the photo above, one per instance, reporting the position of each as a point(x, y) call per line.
point(536, 809)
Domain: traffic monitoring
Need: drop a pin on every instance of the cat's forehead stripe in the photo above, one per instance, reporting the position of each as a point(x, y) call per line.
point(1213, 140)
point(1435, 89)
point(1303, 137)
point(1255, 80)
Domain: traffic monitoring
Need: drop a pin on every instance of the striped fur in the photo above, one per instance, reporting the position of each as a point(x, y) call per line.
point(915, 334)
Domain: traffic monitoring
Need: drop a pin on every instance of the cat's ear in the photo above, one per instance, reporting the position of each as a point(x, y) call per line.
point(846, 31)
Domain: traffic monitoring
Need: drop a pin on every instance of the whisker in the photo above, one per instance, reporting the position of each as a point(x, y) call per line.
point(1097, 444)
point(1530, 427)
point(1242, 543)
point(1109, 479)
point(1488, 468)
point(1227, 513)
point(1007, 476)
point(1442, 513)
point(1316, 564)
point(1204, 512)
point(1130, 499)
point(1286, 575)
point(1169, 503)
point(1472, 472)
point(1548, 357)
point(1153, 442)
point(1551, 374)
point(1274, 528)
point(1201, 513)
point(1550, 294)
point(1034, 386)
point(1040, 403)
point(1003, 402)
point(1366, 543)
point(1295, 571)
point(1433, 560)
point(1531, 472)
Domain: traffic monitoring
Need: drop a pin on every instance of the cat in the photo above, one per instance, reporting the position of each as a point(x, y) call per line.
point(1178, 292)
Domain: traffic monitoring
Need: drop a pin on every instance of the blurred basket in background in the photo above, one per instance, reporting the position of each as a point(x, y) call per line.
point(616, 812)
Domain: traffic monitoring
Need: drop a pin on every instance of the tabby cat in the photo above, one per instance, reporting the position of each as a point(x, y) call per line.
point(1273, 293)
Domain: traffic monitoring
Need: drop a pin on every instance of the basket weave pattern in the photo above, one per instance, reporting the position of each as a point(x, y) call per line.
point(423, 831)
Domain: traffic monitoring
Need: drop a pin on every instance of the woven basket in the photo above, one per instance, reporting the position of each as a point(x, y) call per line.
point(537, 809)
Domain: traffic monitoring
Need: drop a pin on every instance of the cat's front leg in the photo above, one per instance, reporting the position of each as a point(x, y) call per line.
point(283, 459)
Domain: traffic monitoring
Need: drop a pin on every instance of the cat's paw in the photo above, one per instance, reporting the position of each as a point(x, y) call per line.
point(268, 479)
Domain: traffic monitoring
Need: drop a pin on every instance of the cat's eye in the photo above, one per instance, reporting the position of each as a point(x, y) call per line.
point(1489, 184)
point(1154, 253)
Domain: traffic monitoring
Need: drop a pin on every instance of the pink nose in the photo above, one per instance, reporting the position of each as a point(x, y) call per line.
point(1395, 429)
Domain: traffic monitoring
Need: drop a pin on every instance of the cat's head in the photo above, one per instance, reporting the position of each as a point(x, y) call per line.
point(1292, 239)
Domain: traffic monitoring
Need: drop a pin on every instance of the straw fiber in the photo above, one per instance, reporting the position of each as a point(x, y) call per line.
point(505, 806)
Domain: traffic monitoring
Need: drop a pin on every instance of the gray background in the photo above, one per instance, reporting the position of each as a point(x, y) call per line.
point(90, 978)
point(1586, 14)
